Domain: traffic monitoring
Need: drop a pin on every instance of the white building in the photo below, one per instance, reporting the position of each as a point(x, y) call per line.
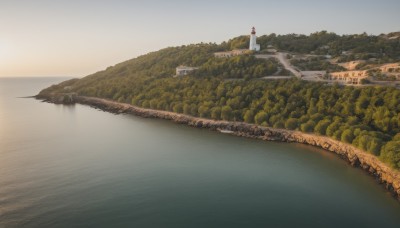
point(253, 41)
point(184, 70)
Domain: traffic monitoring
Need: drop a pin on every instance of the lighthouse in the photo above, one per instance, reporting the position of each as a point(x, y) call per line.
point(253, 41)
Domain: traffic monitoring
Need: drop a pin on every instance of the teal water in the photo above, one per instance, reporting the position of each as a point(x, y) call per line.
point(74, 166)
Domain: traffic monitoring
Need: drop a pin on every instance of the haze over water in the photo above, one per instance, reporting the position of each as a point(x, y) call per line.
point(74, 166)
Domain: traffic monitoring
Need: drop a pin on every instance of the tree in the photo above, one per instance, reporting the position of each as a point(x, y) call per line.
point(362, 141)
point(361, 104)
point(337, 135)
point(332, 128)
point(216, 113)
point(390, 154)
point(193, 110)
point(292, 123)
point(226, 112)
point(204, 111)
point(146, 104)
point(260, 117)
point(249, 116)
point(321, 127)
point(279, 124)
point(186, 109)
point(316, 117)
point(347, 136)
point(308, 126)
point(178, 108)
point(375, 146)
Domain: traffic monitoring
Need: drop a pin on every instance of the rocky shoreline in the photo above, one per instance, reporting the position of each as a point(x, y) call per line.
point(385, 175)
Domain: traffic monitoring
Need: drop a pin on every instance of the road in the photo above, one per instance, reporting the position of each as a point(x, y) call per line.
point(281, 56)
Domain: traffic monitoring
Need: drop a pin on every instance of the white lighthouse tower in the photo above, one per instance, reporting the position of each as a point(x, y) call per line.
point(253, 41)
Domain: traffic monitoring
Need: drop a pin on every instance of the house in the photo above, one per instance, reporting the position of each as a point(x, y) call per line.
point(184, 70)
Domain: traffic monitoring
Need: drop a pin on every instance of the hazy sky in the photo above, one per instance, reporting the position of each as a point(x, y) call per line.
point(76, 38)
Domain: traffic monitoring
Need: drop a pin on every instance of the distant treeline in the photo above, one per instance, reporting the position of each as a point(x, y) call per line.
point(357, 46)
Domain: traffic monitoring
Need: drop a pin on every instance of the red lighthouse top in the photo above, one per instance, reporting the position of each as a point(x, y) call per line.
point(253, 31)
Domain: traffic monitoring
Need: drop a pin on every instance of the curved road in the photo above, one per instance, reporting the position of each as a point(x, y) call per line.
point(281, 56)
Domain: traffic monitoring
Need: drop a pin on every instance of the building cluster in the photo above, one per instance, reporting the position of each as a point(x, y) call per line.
point(390, 68)
point(353, 77)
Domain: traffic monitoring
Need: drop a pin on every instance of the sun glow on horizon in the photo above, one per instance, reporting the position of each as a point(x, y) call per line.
point(48, 38)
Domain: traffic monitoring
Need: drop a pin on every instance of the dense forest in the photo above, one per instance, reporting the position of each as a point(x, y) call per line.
point(366, 117)
point(244, 66)
point(358, 46)
point(316, 63)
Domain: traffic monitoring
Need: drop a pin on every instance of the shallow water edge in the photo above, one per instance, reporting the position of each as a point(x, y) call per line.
point(386, 176)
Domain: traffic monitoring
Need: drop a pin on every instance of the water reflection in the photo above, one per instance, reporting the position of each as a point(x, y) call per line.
point(70, 108)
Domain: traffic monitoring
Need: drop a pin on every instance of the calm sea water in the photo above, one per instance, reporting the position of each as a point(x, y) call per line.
point(74, 166)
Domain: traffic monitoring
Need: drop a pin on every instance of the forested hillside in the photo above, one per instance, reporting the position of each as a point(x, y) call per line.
point(368, 117)
point(316, 63)
point(358, 46)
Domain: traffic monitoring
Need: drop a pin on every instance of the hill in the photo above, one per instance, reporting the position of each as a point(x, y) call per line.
point(366, 117)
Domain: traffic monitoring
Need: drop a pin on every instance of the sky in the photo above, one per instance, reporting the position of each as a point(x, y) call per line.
point(79, 37)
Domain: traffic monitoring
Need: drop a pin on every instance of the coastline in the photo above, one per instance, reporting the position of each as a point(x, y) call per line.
point(385, 175)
